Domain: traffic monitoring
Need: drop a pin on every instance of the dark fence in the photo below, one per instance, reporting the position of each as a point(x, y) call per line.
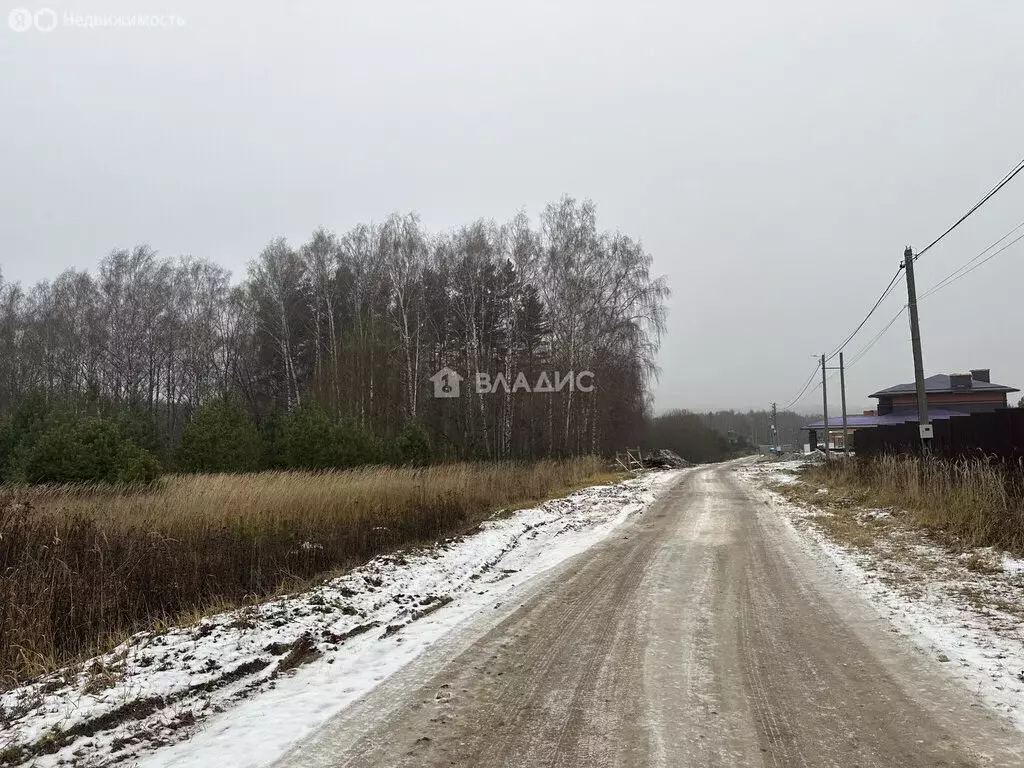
point(993, 433)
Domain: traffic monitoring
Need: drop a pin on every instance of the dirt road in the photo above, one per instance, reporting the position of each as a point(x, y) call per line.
point(701, 634)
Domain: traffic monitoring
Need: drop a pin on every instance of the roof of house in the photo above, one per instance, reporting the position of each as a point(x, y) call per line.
point(940, 383)
point(860, 422)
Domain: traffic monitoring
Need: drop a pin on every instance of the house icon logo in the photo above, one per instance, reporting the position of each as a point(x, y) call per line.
point(446, 383)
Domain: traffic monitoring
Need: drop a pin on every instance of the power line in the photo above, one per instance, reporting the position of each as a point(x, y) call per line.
point(899, 272)
point(1002, 183)
point(963, 271)
point(951, 278)
point(909, 259)
point(888, 289)
point(864, 350)
point(803, 389)
point(817, 386)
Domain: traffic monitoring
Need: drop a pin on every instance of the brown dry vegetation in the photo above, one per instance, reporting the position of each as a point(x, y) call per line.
point(83, 567)
point(970, 503)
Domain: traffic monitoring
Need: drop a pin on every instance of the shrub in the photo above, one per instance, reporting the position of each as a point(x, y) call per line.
point(411, 446)
point(357, 446)
point(6, 446)
point(137, 465)
point(221, 438)
point(305, 439)
point(27, 423)
point(138, 426)
point(48, 457)
point(269, 426)
point(87, 450)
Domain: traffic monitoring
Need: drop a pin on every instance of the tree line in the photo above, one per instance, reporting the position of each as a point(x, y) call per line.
point(755, 427)
point(341, 332)
point(724, 434)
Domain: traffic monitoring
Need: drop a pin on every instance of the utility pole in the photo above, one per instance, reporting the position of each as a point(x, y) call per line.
point(824, 402)
point(915, 341)
point(842, 391)
point(775, 427)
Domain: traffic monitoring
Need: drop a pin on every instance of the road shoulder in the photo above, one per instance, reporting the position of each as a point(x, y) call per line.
point(960, 612)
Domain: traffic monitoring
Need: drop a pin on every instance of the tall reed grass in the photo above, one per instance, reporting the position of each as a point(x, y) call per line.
point(81, 567)
point(973, 502)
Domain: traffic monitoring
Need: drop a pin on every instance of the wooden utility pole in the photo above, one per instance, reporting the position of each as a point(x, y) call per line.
point(915, 341)
point(775, 427)
point(824, 401)
point(842, 392)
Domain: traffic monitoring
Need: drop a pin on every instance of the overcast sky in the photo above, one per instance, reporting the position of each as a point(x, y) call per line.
point(774, 157)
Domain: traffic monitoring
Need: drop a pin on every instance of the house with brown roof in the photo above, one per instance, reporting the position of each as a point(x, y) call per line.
point(948, 394)
point(956, 392)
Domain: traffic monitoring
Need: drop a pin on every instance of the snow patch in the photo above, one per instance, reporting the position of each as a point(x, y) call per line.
point(1013, 566)
point(953, 607)
point(244, 685)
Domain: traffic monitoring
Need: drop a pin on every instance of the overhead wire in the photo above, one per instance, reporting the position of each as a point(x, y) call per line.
point(864, 350)
point(888, 289)
point(985, 198)
point(964, 271)
point(803, 389)
point(951, 278)
point(957, 274)
point(1007, 178)
point(816, 387)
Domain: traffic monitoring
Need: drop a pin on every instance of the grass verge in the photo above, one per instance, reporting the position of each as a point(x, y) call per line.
point(965, 503)
point(83, 567)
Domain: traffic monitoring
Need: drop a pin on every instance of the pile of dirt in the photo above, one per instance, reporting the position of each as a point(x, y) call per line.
point(665, 459)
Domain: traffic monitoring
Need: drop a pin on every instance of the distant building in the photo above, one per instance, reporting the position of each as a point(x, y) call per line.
point(959, 392)
point(948, 395)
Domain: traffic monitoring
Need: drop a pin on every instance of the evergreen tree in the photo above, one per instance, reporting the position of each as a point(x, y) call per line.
point(221, 438)
point(411, 446)
point(85, 450)
point(306, 439)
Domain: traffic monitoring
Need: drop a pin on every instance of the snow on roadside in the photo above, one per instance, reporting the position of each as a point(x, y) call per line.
point(310, 654)
point(964, 609)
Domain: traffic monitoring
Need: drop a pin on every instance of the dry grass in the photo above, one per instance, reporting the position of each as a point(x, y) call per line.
point(81, 568)
point(969, 503)
point(845, 520)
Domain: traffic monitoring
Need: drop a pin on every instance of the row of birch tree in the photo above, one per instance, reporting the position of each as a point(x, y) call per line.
point(355, 323)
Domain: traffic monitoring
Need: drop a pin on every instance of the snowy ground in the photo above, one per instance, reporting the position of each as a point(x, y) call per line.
point(963, 608)
point(238, 688)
